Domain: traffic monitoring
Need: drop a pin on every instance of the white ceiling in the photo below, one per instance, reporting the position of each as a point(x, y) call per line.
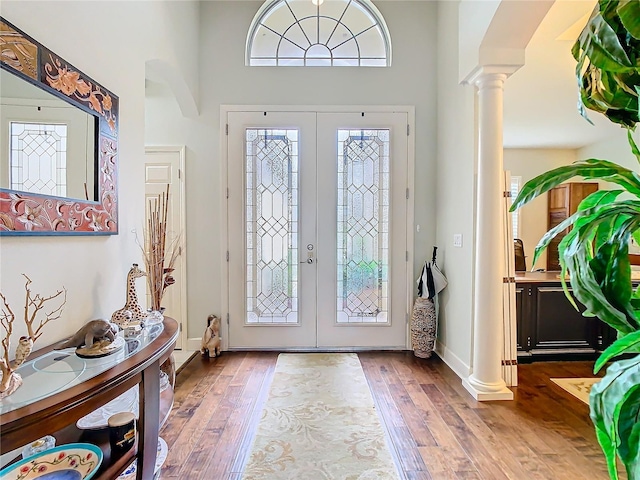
point(540, 100)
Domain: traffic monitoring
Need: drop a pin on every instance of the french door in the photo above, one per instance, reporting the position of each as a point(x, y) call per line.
point(317, 216)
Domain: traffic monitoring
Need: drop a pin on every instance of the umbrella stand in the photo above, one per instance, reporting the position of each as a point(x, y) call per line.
point(423, 327)
point(423, 316)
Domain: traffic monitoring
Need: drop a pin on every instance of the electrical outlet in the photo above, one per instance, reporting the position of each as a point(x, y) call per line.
point(457, 240)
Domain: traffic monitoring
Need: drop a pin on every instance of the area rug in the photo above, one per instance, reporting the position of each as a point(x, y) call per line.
point(319, 422)
point(578, 387)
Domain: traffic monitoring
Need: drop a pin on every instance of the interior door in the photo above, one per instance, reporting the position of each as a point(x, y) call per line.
point(317, 215)
point(165, 165)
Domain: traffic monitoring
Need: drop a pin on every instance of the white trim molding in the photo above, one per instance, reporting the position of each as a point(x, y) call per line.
point(452, 360)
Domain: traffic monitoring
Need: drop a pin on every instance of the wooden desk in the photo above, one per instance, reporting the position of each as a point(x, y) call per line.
point(56, 414)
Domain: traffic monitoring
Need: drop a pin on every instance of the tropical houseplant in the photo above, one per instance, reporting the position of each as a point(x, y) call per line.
point(595, 252)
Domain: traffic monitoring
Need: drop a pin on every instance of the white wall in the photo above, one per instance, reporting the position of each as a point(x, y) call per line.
point(166, 126)
point(109, 41)
point(455, 196)
point(616, 149)
point(224, 79)
point(529, 163)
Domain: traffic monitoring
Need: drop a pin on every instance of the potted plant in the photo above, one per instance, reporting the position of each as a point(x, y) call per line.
point(595, 252)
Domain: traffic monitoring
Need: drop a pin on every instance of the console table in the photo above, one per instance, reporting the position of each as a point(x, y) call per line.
point(54, 410)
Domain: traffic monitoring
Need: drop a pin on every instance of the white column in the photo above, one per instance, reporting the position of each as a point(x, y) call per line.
point(485, 381)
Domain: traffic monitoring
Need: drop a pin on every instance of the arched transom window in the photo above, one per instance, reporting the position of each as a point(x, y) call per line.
point(318, 33)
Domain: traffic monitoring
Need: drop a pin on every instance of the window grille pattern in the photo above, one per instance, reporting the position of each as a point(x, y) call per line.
point(38, 158)
point(334, 33)
point(363, 226)
point(271, 215)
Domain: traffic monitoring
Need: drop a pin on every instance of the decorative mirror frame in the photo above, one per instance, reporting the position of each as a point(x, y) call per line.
point(24, 213)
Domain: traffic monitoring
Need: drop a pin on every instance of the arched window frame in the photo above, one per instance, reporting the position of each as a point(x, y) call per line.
point(269, 5)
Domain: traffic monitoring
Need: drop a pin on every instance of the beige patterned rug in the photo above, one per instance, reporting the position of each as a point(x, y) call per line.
point(578, 387)
point(319, 423)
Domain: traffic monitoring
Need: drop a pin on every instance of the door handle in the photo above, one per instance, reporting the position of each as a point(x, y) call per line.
point(308, 260)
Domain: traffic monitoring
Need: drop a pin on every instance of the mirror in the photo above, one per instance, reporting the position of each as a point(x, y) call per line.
point(58, 144)
point(48, 145)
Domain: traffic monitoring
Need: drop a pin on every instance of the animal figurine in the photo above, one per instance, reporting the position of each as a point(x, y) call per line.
point(91, 332)
point(132, 311)
point(25, 345)
point(211, 338)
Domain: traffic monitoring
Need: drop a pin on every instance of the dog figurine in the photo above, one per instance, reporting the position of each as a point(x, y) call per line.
point(211, 338)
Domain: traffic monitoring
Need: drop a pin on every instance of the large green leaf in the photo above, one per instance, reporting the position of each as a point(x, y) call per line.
point(630, 343)
point(590, 169)
point(596, 199)
point(612, 271)
point(616, 102)
point(615, 410)
point(632, 143)
point(638, 94)
point(611, 260)
point(607, 68)
point(629, 432)
point(629, 12)
point(586, 288)
point(610, 263)
point(599, 42)
point(601, 281)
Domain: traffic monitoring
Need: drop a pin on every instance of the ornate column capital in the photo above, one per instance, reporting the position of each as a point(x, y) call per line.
point(484, 73)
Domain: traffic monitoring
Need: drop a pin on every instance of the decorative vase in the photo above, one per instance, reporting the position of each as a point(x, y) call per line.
point(423, 327)
point(154, 317)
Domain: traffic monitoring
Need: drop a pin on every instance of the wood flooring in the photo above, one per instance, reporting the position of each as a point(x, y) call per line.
point(436, 430)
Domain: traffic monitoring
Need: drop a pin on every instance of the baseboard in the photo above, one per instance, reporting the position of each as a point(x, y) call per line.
point(458, 366)
point(194, 344)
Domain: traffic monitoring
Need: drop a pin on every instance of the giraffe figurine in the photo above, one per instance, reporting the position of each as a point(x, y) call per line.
point(132, 311)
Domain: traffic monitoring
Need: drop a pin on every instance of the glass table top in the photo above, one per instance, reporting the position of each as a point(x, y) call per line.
point(59, 370)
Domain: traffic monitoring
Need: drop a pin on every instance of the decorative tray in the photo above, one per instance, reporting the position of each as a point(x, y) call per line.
point(73, 461)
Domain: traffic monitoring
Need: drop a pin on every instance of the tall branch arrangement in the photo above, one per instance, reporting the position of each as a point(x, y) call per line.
point(159, 256)
point(33, 304)
point(6, 320)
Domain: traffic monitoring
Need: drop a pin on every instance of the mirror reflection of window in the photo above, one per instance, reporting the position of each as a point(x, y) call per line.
point(39, 158)
point(23, 103)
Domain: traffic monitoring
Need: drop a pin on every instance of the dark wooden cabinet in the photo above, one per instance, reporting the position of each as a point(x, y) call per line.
point(549, 325)
point(522, 333)
point(557, 324)
point(563, 202)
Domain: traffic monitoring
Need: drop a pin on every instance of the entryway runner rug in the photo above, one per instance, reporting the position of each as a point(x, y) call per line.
point(319, 423)
point(578, 387)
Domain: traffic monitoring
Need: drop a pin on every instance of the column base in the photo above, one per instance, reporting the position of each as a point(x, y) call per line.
point(486, 392)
